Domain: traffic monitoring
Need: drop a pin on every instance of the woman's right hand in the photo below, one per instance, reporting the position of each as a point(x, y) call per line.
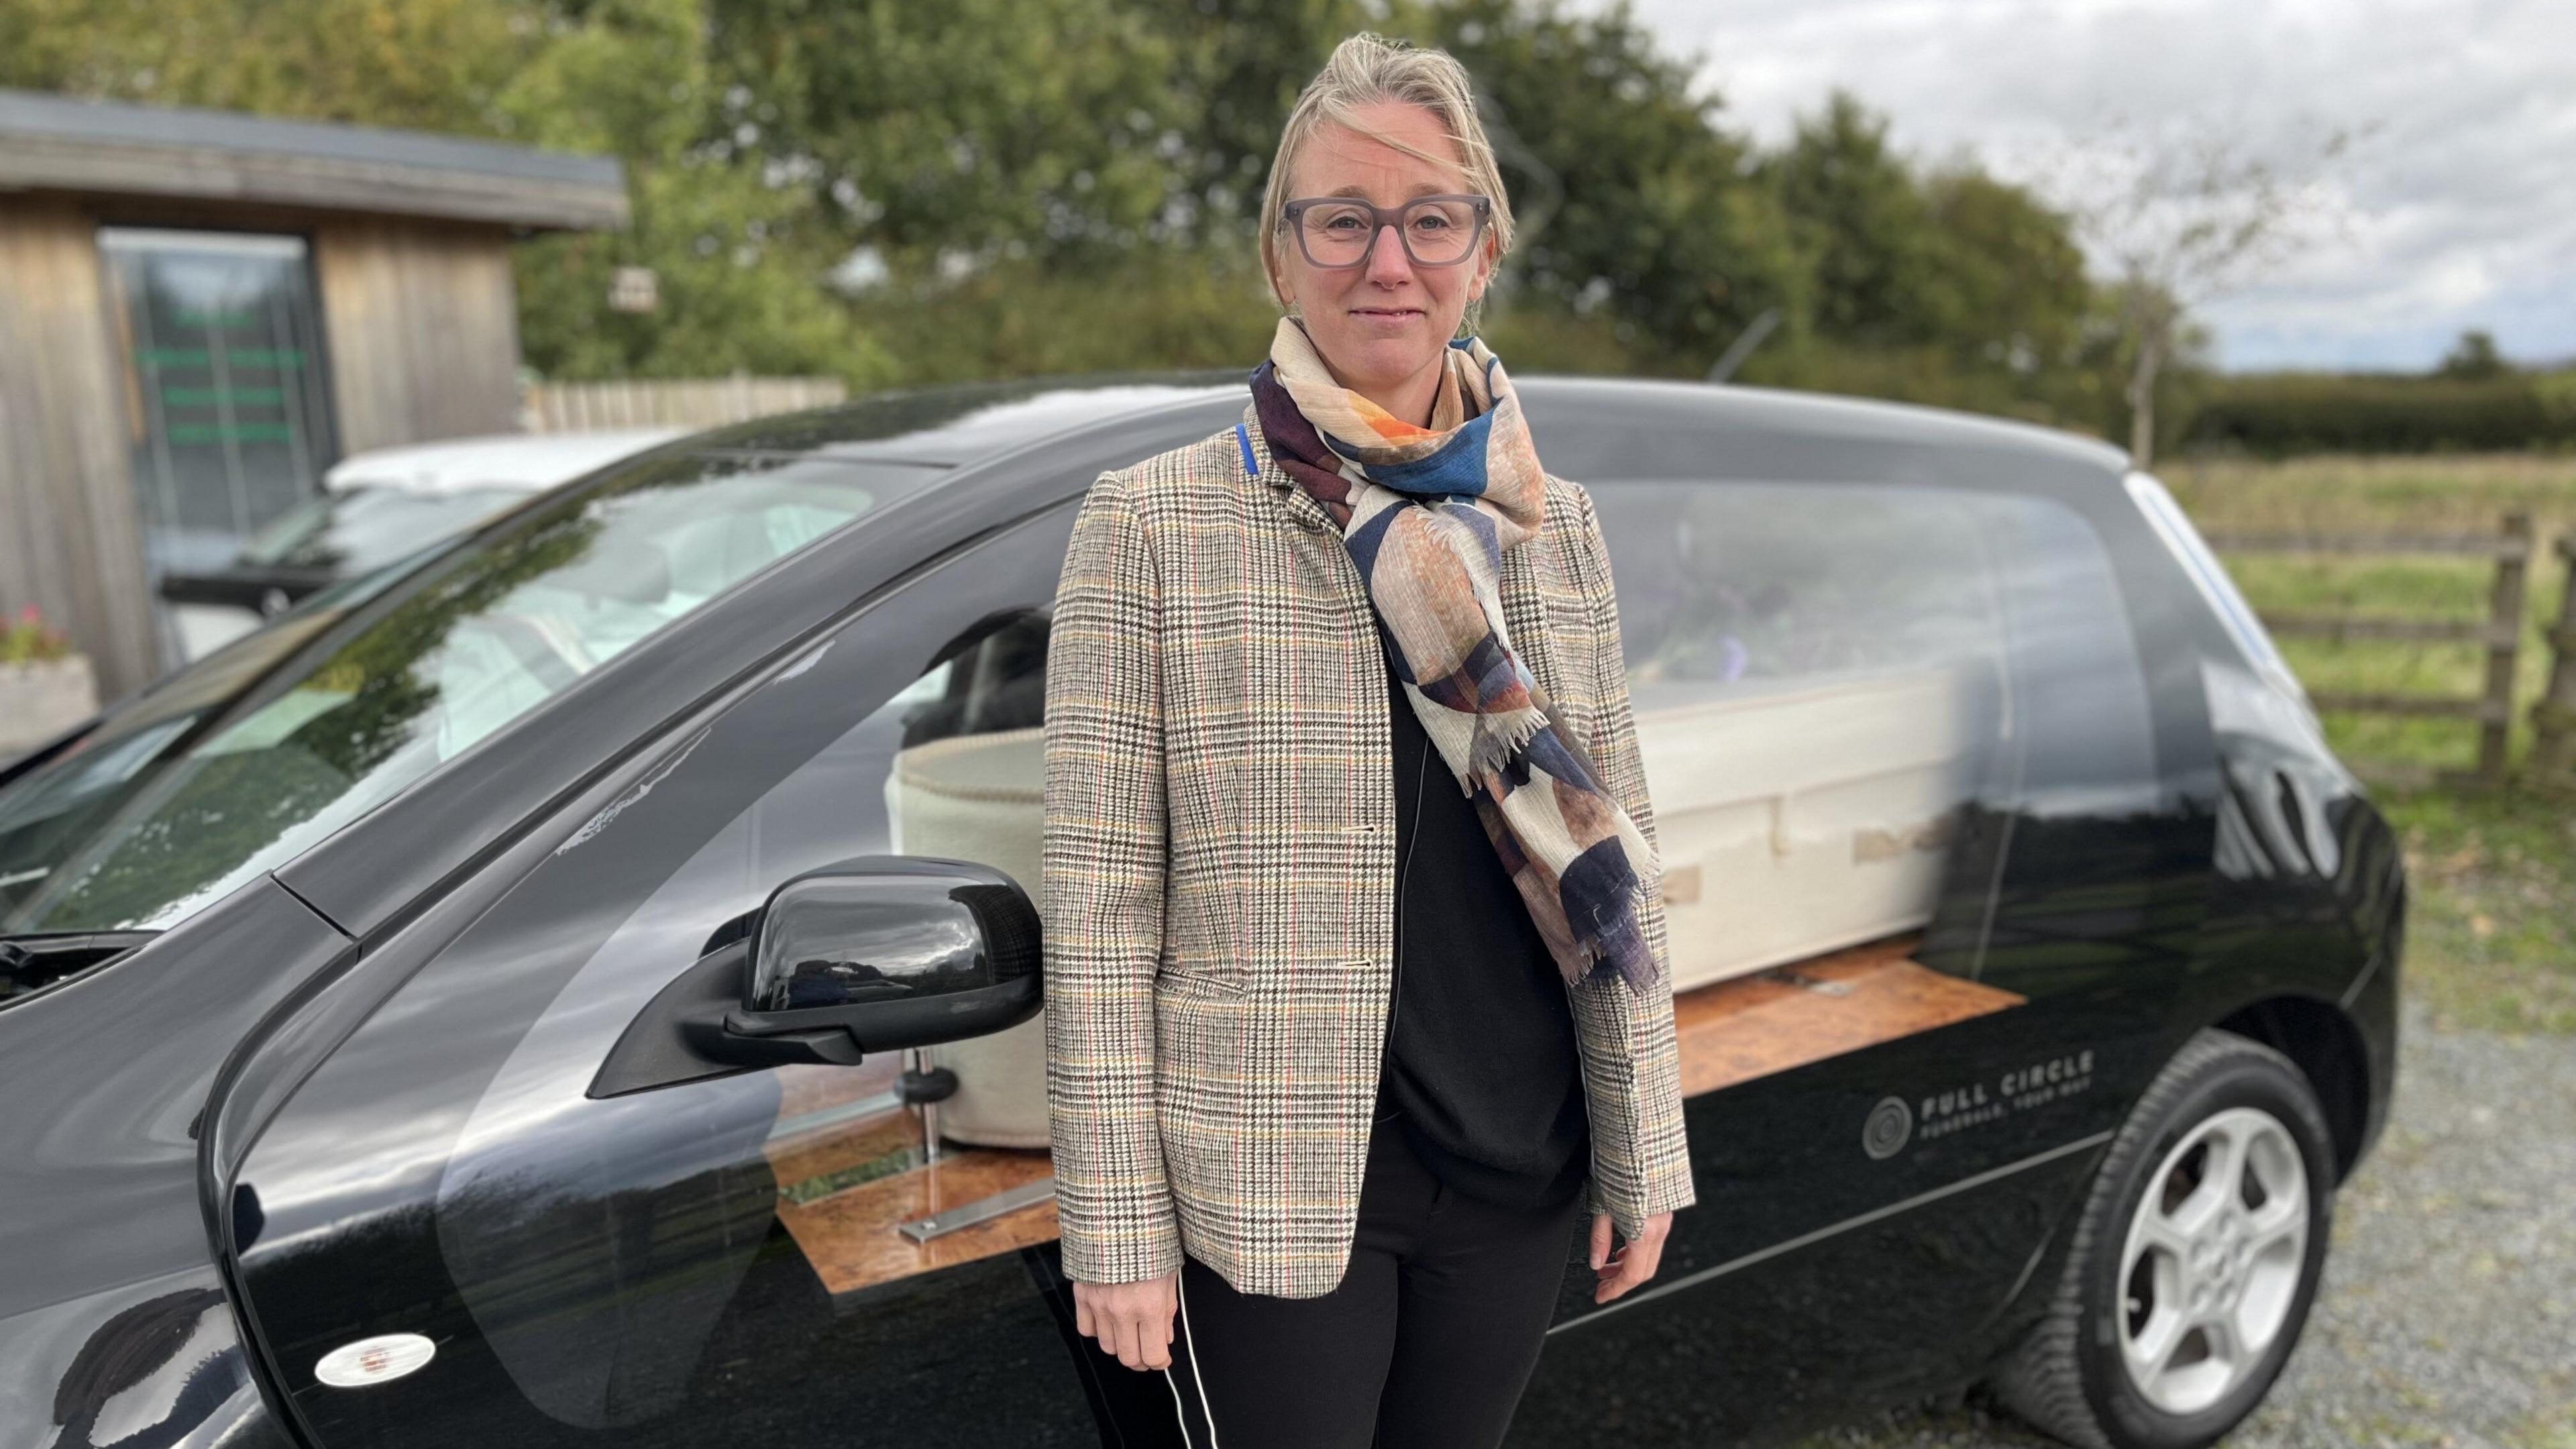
point(1131, 1320)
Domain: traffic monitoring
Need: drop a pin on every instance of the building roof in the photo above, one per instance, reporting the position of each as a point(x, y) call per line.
point(60, 144)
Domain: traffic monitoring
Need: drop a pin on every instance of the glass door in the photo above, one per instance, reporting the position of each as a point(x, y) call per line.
point(228, 412)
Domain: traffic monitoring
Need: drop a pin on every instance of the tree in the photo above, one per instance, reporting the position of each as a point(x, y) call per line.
point(1239, 65)
point(1864, 225)
point(430, 64)
point(2474, 358)
point(2180, 219)
point(977, 129)
point(735, 240)
point(1941, 285)
point(2011, 289)
point(1630, 196)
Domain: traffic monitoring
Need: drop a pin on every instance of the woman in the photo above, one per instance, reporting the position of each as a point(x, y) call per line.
point(1357, 991)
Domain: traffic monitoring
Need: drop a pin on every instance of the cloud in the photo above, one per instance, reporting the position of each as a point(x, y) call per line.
point(2452, 209)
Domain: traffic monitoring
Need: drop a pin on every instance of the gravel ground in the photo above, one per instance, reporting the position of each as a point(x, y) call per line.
point(2448, 1315)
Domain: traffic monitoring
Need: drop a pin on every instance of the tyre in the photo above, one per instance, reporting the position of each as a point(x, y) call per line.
point(2194, 1260)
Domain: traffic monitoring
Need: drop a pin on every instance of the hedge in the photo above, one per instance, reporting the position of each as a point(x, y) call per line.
point(2278, 413)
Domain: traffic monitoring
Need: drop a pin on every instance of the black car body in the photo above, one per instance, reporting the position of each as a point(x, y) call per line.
point(421, 854)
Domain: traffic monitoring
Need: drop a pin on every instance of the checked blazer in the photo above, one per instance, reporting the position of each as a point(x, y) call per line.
point(1219, 873)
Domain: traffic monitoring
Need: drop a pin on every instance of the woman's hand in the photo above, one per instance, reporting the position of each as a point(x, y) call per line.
point(1131, 1320)
point(1636, 1260)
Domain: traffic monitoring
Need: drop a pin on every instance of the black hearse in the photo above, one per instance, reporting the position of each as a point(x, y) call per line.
point(577, 987)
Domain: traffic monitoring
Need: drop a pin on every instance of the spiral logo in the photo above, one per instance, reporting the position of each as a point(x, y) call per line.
point(1890, 1124)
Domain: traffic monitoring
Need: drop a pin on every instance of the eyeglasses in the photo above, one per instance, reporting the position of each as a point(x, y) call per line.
point(1436, 231)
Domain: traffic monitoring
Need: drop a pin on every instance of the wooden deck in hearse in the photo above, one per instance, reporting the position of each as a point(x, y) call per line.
point(1729, 1032)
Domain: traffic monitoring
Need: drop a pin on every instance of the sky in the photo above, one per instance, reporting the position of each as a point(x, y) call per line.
point(2452, 206)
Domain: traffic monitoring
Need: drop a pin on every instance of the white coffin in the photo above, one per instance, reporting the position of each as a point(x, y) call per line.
point(979, 797)
point(1799, 816)
point(1794, 818)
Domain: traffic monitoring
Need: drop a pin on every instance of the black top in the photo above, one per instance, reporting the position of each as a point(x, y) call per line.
point(1481, 1058)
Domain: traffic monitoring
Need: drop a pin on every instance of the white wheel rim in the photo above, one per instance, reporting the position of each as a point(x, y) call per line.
point(2213, 1260)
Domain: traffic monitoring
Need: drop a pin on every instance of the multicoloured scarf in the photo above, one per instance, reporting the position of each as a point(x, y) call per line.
point(1426, 514)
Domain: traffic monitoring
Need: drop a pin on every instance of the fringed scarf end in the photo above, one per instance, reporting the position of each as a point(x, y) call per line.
point(1500, 738)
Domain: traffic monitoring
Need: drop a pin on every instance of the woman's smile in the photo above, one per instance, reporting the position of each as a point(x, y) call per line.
point(1388, 316)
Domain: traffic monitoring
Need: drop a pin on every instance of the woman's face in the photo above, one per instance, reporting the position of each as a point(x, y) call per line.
point(1381, 325)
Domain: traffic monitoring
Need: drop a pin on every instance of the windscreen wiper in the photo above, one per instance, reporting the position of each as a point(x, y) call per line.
point(33, 960)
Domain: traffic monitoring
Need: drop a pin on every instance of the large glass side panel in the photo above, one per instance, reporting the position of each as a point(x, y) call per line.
point(1822, 684)
point(482, 638)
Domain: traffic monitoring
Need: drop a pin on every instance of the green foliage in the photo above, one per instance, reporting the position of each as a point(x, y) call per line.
point(1168, 308)
point(2006, 280)
point(1950, 288)
point(1630, 197)
point(2274, 414)
point(739, 270)
point(1238, 67)
point(738, 251)
point(993, 127)
point(2474, 358)
point(431, 64)
point(1865, 225)
point(1068, 185)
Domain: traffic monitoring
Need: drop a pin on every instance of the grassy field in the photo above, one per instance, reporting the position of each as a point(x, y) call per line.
point(2492, 933)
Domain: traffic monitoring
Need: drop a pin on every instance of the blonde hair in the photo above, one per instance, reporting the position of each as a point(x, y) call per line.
point(1366, 69)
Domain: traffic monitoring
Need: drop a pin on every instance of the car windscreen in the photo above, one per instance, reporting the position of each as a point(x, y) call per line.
point(477, 637)
point(357, 529)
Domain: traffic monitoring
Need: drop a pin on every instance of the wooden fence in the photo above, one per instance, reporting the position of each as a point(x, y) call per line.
point(2553, 718)
point(567, 407)
point(2500, 631)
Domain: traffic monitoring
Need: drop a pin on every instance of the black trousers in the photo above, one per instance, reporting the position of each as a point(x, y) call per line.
point(1426, 1343)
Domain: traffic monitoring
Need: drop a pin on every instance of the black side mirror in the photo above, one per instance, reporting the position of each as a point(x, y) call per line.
point(871, 954)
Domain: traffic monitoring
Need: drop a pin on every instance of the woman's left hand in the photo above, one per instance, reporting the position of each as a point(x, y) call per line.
point(1636, 1259)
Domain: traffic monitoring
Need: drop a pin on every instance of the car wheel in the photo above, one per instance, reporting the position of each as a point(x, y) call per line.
point(2194, 1260)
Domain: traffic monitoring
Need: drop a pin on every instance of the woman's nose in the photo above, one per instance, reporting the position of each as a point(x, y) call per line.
point(1387, 259)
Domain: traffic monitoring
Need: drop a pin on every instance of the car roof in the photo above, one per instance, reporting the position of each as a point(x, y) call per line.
point(530, 461)
point(961, 425)
point(1010, 448)
point(1733, 407)
point(964, 423)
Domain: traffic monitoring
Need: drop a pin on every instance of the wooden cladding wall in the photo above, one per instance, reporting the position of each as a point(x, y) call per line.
point(421, 321)
point(572, 407)
point(70, 538)
point(420, 326)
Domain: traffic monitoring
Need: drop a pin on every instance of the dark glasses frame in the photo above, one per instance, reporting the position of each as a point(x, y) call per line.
point(1292, 215)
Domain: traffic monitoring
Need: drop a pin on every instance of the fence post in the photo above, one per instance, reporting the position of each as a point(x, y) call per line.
point(2553, 752)
point(2513, 566)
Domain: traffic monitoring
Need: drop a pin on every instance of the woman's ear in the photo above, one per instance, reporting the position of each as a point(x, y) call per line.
point(1285, 299)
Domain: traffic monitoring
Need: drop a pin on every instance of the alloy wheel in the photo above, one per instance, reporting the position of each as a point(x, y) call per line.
point(2213, 1259)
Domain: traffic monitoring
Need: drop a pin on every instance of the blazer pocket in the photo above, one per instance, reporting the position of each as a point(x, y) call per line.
point(1206, 942)
point(1207, 936)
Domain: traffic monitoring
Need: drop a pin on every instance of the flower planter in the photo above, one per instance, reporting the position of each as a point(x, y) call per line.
point(39, 701)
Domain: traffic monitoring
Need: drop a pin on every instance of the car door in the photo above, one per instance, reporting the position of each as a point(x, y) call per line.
point(1924, 886)
point(718, 1258)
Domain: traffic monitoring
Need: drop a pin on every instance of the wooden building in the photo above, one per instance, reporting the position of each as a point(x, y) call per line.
point(200, 311)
